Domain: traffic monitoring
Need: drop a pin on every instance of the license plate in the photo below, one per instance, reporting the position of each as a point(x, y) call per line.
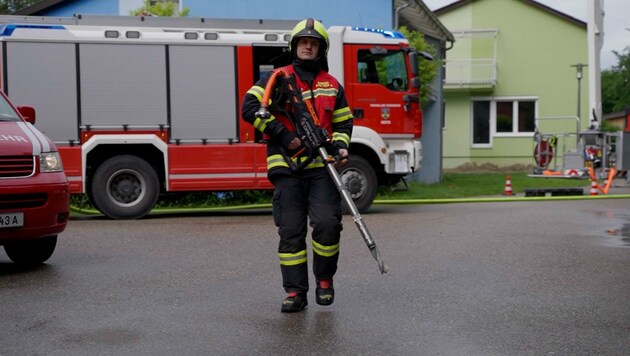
point(11, 220)
point(399, 162)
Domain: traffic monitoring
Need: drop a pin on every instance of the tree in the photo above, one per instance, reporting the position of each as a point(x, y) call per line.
point(428, 69)
point(159, 8)
point(616, 84)
point(9, 7)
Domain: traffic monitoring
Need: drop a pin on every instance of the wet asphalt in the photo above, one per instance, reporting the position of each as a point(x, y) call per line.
point(497, 278)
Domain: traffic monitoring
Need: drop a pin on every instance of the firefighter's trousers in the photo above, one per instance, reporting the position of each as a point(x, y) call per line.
point(308, 194)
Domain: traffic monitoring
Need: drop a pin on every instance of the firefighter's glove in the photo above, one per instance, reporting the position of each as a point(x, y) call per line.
point(339, 154)
point(290, 140)
point(342, 159)
point(294, 144)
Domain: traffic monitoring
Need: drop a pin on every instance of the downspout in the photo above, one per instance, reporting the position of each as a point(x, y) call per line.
point(397, 12)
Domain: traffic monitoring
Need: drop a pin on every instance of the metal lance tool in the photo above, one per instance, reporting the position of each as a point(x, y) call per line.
point(356, 216)
point(315, 139)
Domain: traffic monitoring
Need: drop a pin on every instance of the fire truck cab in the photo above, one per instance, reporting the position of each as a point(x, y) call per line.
point(139, 107)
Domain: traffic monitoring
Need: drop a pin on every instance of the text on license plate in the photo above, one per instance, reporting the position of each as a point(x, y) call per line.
point(11, 220)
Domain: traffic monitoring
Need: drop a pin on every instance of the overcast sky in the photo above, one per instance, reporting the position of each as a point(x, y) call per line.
point(616, 21)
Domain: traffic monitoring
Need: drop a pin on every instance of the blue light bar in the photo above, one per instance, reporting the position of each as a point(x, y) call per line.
point(7, 30)
point(386, 34)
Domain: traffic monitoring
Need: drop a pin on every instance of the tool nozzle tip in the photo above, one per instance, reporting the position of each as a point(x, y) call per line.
point(385, 269)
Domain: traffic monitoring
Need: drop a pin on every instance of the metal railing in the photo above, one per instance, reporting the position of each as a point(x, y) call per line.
point(470, 72)
point(570, 154)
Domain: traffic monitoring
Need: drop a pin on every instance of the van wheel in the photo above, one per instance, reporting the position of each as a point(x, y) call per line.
point(359, 178)
point(125, 187)
point(31, 252)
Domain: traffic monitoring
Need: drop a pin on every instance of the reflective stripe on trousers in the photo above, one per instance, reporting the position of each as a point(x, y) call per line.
point(310, 195)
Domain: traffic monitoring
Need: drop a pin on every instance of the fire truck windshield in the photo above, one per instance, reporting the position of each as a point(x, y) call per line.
point(385, 67)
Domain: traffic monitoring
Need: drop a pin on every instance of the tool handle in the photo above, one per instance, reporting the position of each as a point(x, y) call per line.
point(356, 216)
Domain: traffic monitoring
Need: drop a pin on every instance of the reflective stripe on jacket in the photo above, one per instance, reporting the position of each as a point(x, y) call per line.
point(330, 104)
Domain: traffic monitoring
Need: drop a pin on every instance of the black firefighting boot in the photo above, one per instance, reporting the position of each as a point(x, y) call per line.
point(294, 302)
point(325, 293)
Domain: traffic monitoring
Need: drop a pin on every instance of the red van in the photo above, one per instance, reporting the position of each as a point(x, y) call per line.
point(34, 191)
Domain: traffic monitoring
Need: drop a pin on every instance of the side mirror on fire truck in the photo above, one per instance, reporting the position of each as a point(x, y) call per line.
point(413, 61)
point(425, 55)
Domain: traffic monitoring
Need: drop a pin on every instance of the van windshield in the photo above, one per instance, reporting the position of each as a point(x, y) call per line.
point(6, 111)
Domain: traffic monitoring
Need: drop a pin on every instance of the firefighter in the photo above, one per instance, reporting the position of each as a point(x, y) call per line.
point(309, 193)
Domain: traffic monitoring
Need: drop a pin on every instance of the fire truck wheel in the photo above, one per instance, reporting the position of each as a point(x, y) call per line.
point(31, 252)
point(125, 187)
point(360, 179)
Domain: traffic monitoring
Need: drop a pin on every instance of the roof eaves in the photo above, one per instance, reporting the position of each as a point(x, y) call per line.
point(614, 115)
point(534, 3)
point(452, 6)
point(556, 12)
point(447, 34)
point(420, 18)
point(40, 6)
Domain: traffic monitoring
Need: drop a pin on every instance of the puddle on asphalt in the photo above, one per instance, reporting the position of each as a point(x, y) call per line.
point(612, 228)
point(621, 235)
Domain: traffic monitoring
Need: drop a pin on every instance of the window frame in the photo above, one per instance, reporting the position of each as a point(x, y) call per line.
point(493, 117)
point(378, 62)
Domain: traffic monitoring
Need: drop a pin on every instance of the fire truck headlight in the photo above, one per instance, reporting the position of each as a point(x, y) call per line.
point(50, 162)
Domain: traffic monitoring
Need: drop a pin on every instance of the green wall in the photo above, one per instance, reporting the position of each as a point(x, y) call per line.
point(535, 51)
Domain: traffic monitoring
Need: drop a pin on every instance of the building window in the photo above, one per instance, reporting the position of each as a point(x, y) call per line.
point(481, 122)
point(500, 117)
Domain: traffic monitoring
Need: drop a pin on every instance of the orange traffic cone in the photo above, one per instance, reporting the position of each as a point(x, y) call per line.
point(508, 186)
point(594, 187)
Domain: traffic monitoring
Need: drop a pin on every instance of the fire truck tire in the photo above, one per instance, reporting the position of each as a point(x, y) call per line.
point(31, 252)
point(125, 187)
point(360, 179)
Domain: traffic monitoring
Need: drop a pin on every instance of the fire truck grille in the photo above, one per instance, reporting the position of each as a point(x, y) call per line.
point(22, 201)
point(16, 166)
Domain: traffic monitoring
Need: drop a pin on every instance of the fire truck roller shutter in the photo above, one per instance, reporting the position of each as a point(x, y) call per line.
point(203, 99)
point(123, 84)
point(43, 75)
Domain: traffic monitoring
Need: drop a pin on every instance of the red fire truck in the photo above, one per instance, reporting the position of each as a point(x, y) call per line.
point(142, 106)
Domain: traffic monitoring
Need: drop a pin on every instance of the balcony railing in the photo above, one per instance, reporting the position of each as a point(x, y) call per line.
point(470, 73)
point(472, 64)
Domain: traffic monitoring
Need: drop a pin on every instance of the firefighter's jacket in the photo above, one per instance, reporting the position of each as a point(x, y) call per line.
point(330, 103)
